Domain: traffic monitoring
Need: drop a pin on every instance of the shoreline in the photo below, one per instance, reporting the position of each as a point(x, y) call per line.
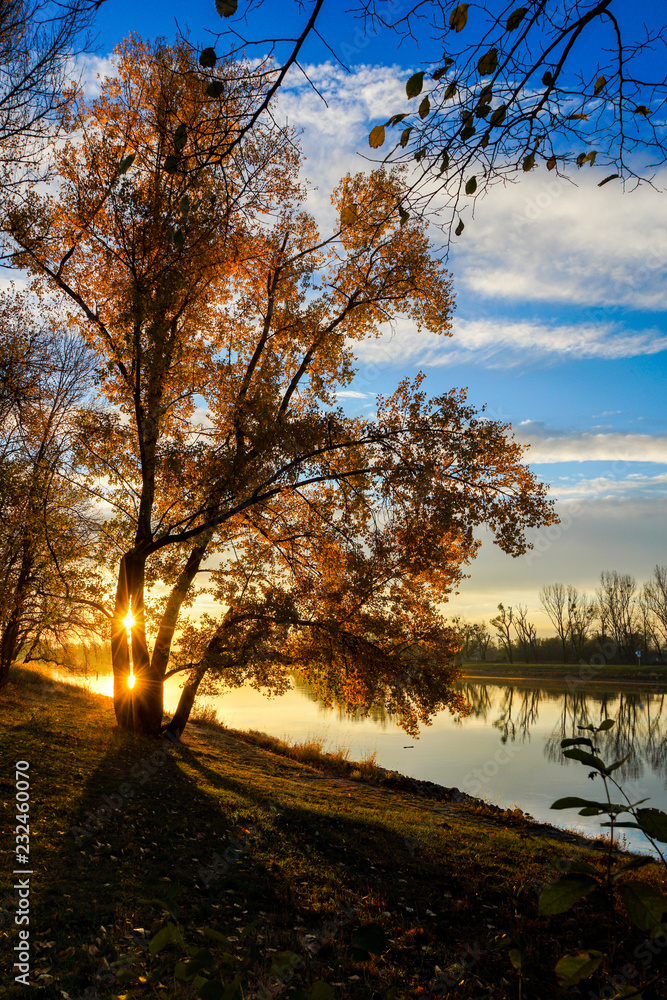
point(576, 674)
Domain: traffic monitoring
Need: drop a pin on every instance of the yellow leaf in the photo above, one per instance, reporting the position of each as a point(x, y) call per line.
point(376, 138)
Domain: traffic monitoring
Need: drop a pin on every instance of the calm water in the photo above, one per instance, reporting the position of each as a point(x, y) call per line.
point(506, 751)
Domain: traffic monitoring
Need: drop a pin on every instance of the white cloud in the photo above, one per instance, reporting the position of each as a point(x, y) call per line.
point(349, 394)
point(498, 344)
point(90, 70)
point(543, 239)
point(547, 445)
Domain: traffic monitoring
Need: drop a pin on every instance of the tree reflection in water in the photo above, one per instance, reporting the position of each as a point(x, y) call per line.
point(640, 725)
point(513, 710)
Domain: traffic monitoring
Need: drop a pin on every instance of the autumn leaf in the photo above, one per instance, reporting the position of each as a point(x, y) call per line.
point(376, 138)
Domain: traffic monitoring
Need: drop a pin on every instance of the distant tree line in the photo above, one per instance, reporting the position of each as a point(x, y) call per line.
point(621, 620)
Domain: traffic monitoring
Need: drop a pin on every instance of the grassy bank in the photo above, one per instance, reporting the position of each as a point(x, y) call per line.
point(305, 873)
point(577, 674)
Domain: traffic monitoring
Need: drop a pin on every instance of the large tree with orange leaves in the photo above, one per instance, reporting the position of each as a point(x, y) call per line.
point(224, 323)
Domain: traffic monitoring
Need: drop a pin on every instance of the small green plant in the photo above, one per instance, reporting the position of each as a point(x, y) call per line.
point(645, 906)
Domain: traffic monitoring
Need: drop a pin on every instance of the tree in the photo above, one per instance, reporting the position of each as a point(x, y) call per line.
point(580, 620)
point(503, 623)
point(204, 288)
point(555, 84)
point(526, 633)
point(655, 598)
point(554, 600)
point(617, 612)
point(38, 40)
point(46, 586)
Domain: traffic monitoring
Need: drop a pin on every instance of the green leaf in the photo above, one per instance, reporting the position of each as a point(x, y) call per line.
point(459, 229)
point(471, 185)
point(126, 163)
point(654, 822)
point(529, 161)
point(321, 991)
point(451, 90)
point(645, 905)
point(572, 802)
point(607, 724)
point(208, 58)
point(630, 865)
point(459, 17)
point(561, 895)
point(184, 204)
point(376, 138)
point(484, 141)
point(370, 938)
point(600, 84)
point(213, 989)
point(621, 762)
point(216, 88)
point(424, 108)
point(202, 959)
point(179, 237)
point(575, 740)
point(282, 961)
point(467, 132)
point(547, 79)
point(405, 135)
point(488, 63)
point(515, 18)
point(403, 215)
point(414, 85)
point(571, 969)
point(226, 8)
point(612, 177)
point(586, 758)
point(551, 163)
point(498, 116)
point(517, 958)
point(164, 936)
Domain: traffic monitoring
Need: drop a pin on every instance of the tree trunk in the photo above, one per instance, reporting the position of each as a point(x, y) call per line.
point(213, 655)
point(10, 635)
point(186, 701)
point(138, 709)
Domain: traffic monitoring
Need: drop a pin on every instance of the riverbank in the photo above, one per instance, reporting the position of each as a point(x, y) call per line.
point(574, 675)
point(298, 871)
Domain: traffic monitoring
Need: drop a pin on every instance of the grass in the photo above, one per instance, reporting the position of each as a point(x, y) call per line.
point(276, 848)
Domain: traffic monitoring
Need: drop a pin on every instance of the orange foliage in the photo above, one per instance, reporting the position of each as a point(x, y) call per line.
point(224, 324)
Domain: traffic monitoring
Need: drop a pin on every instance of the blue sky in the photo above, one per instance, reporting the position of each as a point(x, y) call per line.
point(561, 317)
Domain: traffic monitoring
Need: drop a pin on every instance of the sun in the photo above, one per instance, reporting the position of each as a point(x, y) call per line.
point(128, 621)
point(131, 680)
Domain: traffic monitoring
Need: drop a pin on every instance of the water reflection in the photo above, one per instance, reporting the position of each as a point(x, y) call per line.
point(640, 725)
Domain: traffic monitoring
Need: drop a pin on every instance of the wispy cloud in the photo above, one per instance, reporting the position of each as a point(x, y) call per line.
point(498, 344)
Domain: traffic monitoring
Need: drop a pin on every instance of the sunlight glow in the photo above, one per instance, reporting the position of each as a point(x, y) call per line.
point(128, 621)
point(130, 681)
